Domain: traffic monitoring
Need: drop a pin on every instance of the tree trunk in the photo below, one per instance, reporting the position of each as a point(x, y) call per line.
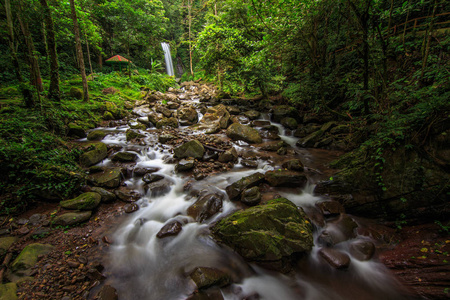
point(88, 54)
point(190, 40)
point(27, 95)
point(53, 91)
point(427, 46)
point(79, 50)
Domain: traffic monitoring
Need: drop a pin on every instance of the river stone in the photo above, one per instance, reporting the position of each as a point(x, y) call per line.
point(252, 114)
point(236, 188)
point(362, 250)
point(106, 196)
point(167, 122)
point(159, 188)
point(243, 132)
point(96, 135)
point(217, 114)
point(164, 110)
point(107, 292)
point(155, 117)
point(240, 119)
point(94, 156)
point(141, 171)
point(293, 165)
point(124, 157)
point(72, 218)
point(289, 123)
point(132, 134)
point(26, 260)
point(286, 178)
point(330, 208)
point(8, 291)
point(249, 163)
point(268, 232)
point(170, 229)
point(335, 258)
point(339, 230)
point(75, 130)
point(205, 207)
point(127, 195)
point(282, 111)
point(273, 146)
point(130, 208)
point(251, 196)
point(187, 116)
point(109, 178)
point(184, 165)
point(86, 201)
point(229, 155)
point(205, 277)
point(311, 140)
point(192, 149)
point(145, 121)
point(233, 110)
point(164, 138)
point(5, 243)
point(149, 178)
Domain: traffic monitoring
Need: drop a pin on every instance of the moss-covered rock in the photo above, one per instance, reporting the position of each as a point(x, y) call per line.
point(252, 114)
point(109, 178)
point(235, 189)
point(108, 116)
point(289, 123)
point(192, 149)
point(205, 277)
point(187, 116)
point(245, 133)
point(133, 134)
point(96, 135)
point(285, 178)
point(105, 195)
point(86, 201)
point(267, 232)
point(22, 265)
point(124, 157)
point(113, 109)
point(8, 291)
point(70, 219)
point(282, 111)
point(76, 93)
point(167, 122)
point(75, 130)
point(5, 243)
point(229, 155)
point(94, 156)
point(311, 140)
point(293, 164)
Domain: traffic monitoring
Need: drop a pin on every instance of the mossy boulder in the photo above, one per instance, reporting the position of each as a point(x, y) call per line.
point(235, 189)
point(108, 116)
point(86, 201)
point(113, 109)
point(289, 123)
point(229, 155)
point(94, 156)
point(106, 196)
point(167, 122)
point(311, 140)
point(133, 134)
point(245, 133)
point(192, 149)
point(293, 164)
point(96, 135)
point(285, 178)
point(75, 130)
point(76, 93)
point(8, 291)
point(252, 114)
point(205, 277)
point(124, 157)
point(73, 218)
point(267, 232)
point(22, 265)
point(187, 116)
point(5, 243)
point(282, 111)
point(109, 178)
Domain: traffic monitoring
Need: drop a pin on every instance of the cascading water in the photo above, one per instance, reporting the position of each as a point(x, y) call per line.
point(143, 266)
point(168, 59)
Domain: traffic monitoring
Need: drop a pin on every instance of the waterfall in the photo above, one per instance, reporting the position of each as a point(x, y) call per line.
point(168, 58)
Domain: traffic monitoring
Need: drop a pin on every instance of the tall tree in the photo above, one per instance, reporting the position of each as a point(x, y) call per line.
point(53, 92)
point(79, 50)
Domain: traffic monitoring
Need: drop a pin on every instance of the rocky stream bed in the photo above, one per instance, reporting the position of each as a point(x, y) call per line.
point(190, 197)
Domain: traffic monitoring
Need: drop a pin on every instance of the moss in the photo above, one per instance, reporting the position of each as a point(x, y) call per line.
point(86, 201)
point(8, 291)
point(28, 258)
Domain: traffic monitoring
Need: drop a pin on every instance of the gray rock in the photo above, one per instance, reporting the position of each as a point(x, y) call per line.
point(205, 277)
point(205, 207)
point(149, 178)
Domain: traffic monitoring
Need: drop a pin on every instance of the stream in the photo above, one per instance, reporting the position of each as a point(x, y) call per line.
point(141, 266)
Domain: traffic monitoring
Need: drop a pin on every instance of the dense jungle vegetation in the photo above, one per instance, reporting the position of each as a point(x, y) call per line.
point(381, 65)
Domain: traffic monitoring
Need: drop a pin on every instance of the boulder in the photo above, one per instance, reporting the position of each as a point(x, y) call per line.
point(127, 195)
point(141, 171)
point(70, 219)
point(273, 146)
point(250, 163)
point(330, 208)
point(268, 232)
point(243, 132)
point(229, 155)
point(149, 178)
point(362, 250)
point(280, 112)
point(75, 130)
point(338, 230)
point(155, 117)
point(205, 207)
point(23, 264)
point(158, 188)
point(293, 165)
point(113, 109)
point(109, 178)
point(192, 149)
point(96, 135)
point(286, 178)
point(252, 114)
point(106, 196)
point(94, 156)
point(335, 258)
point(217, 115)
point(311, 140)
point(5, 243)
point(108, 116)
point(164, 138)
point(107, 292)
point(167, 122)
point(205, 277)
point(8, 291)
point(235, 189)
point(76, 93)
point(164, 110)
point(289, 123)
point(133, 134)
point(187, 116)
point(86, 201)
point(184, 165)
point(130, 208)
point(124, 157)
point(251, 196)
point(170, 229)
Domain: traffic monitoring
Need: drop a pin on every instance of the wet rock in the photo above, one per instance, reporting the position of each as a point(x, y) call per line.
point(229, 155)
point(75, 130)
point(155, 117)
point(205, 207)
point(281, 111)
point(282, 151)
point(132, 134)
point(96, 135)
point(107, 292)
point(124, 157)
point(109, 178)
point(311, 140)
point(268, 232)
point(252, 114)
point(273, 146)
point(127, 195)
point(339, 230)
point(285, 178)
point(130, 208)
point(149, 178)
point(335, 258)
point(270, 135)
point(249, 163)
point(158, 188)
point(192, 149)
point(212, 293)
point(234, 190)
point(293, 165)
point(5, 243)
point(251, 196)
point(70, 219)
point(170, 229)
point(362, 250)
point(94, 156)
point(233, 110)
point(260, 123)
point(205, 277)
point(184, 165)
point(330, 208)
point(145, 121)
point(327, 126)
point(164, 138)
point(243, 132)
point(23, 264)
point(217, 115)
point(141, 171)
point(240, 119)
point(86, 201)
point(106, 196)
point(164, 110)
point(8, 291)
point(289, 123)
point(187, 116)
point(167, 122)
point(340, 129)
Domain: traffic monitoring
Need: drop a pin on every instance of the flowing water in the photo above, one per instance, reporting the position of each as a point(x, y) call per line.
point(142, 266)
point(168, 59)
